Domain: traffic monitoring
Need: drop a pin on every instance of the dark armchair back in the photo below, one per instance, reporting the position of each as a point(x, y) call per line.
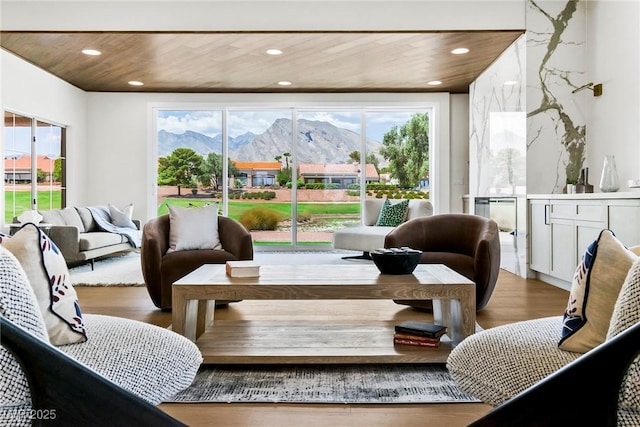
point(468, 244)
point(160, 269)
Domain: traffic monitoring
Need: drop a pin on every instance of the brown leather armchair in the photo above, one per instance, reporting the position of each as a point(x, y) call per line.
point(468, 244)
point(160, 269)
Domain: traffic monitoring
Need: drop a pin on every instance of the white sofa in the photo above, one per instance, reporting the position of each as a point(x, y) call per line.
point(368, 236)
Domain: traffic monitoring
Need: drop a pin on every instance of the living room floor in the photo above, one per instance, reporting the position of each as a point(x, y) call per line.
point(514, 299)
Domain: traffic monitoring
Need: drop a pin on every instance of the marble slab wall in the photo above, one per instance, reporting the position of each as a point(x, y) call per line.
point(527, 128)
point(556, 122)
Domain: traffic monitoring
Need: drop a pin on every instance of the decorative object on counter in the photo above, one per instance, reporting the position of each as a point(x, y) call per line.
point(583, 185)
point(396, 260)
point(609, 182)
point(633, 183)
point(30, 216)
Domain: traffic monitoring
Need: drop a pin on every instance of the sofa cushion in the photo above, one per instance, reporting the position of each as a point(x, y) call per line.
point(626, 313)
point(122, 217)
point(193, 228)
point(419, 208)
point(48, 275)
point(18, 303)
point(594, 291)
point(99, 239)
point(87, 219)
point(66, 216)
point(497, 363)
point(149, 361)
point(392, 214)
point(364, 238)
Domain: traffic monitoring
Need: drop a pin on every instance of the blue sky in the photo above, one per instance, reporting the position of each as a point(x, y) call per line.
point(257, 121)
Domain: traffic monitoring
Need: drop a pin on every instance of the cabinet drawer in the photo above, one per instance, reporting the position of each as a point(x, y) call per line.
point(563, 210)
point(591, 212)
point(583, 211)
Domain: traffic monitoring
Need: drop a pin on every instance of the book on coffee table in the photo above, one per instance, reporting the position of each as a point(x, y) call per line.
point(423, 329)
point(242, 269)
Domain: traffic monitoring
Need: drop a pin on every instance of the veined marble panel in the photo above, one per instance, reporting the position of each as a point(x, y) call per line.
point(556, 123)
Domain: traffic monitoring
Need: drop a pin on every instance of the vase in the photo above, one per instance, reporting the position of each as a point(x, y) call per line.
point(609, 180)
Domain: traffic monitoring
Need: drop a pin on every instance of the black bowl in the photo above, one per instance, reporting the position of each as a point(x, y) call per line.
point(396, 261)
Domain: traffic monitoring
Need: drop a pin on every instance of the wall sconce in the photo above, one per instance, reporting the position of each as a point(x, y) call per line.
point(597, 89)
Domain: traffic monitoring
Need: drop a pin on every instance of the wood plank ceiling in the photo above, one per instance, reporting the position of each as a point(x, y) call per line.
point(237, 62)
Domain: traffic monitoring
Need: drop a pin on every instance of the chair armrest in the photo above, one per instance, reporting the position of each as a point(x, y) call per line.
point(583, 392)
point(67, 239)
point(153, 246)
point(234, 238)
point(66, 392)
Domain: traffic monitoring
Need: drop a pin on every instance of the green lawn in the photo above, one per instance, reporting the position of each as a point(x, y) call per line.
point(22, 202)
point(238, 207)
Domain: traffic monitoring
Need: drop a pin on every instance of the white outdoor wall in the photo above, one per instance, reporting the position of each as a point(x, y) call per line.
point(613, 59)
point(263, 15)
point(30, 91)
point(120, 139)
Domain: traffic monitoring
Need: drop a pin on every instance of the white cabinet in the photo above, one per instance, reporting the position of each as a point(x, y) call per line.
point(561, 229)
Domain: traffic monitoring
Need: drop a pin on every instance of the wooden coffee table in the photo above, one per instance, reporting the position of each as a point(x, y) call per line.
point(300, 341)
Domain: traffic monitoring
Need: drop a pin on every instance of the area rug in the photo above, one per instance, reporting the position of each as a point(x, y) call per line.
point(119, 270)
point(370, 383)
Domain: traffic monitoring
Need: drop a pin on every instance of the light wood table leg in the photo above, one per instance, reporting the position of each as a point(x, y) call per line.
point(178, 311)
point(458, 315)
point(206, 309)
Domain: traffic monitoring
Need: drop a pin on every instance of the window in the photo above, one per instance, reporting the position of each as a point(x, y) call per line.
point(34, 165)
point(292, 175)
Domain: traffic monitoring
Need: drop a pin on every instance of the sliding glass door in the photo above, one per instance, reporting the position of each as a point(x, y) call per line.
point(292, 175)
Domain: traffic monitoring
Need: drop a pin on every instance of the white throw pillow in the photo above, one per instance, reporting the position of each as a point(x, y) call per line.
point(122, 218)
point(193, 228)
point(48, 275)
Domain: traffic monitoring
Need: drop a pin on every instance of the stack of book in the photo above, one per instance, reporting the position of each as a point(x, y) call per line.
point(243, 269)
point(418, 333)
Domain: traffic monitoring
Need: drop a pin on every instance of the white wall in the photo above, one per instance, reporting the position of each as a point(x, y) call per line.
point(613, 59)
point(120, 139)
point(31, 92)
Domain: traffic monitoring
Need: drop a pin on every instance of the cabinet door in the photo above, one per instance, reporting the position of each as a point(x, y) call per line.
point(563, 249)
point(624, 221)
point(539, 236)
point(586, 233)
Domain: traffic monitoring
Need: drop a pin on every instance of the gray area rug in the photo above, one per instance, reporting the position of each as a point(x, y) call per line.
point(118, 270)
point(376, 383)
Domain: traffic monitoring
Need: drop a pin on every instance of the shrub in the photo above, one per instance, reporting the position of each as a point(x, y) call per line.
point(260, 218)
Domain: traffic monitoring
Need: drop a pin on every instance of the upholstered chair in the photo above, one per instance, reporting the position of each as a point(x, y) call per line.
point(468, 244)
point(161, 268)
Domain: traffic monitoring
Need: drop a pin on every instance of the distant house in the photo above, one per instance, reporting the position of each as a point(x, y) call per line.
point(17, 169)
point(342, 173)
point(256, 174)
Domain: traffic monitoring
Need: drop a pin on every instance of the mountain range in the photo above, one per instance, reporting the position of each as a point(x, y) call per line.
point(317, 142)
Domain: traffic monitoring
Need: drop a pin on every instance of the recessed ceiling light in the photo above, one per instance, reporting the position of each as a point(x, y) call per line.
point(510, 83)
point(460, 51)
point(434, 83)
point(284, 83)
point(274, 52)
point(92, 52)
point(136, 83)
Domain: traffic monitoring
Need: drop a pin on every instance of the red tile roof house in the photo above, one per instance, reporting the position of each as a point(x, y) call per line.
point(255, 174)
point(343, 174)
point(18, 169)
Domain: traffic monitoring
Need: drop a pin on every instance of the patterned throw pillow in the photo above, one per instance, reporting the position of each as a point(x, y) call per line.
point(48, 275)
point(392, 214)
point(594, 291)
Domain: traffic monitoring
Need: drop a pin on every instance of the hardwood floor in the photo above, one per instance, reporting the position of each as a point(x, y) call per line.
point(514, 299)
